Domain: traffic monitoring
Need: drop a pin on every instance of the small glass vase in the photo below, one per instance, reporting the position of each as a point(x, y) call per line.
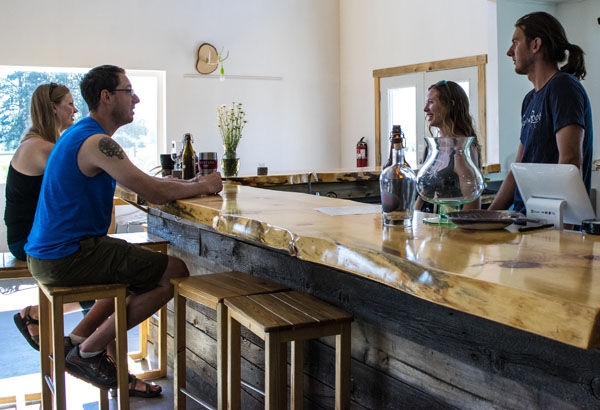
point(230, 164)
point(449, 178)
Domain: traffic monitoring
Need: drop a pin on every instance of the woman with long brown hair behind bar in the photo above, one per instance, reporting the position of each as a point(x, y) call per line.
point(447, 109)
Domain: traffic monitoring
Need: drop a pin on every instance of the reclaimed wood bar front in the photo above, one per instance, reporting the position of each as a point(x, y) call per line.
point(445, 318)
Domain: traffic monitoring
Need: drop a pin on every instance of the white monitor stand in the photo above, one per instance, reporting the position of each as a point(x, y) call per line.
point(548, 209)
point(554, 192)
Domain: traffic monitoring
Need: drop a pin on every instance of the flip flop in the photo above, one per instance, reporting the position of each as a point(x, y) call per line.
point(22, 323)
point(148, 394)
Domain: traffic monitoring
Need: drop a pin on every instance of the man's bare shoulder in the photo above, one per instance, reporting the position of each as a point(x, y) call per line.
point(103, 145)
point(110, 147)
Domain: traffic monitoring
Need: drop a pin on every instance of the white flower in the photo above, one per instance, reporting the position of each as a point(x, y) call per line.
point(231, 123)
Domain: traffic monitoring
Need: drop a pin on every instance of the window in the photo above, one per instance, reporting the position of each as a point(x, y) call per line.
point(402, 90)
point(141, 139)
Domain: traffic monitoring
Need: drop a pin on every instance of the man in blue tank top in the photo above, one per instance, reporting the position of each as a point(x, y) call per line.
point(556, 116)
point(68, 243)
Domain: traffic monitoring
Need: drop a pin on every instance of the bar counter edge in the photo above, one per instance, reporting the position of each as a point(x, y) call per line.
point(407, 352)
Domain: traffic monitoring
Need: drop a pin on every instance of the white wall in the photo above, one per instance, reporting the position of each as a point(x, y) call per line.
point(292, 124)
point(581, 23)
point(389, 33)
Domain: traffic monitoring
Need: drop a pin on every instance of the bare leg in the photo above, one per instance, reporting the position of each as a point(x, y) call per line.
point(33, 312)
point(102, 309)
point(139, 307)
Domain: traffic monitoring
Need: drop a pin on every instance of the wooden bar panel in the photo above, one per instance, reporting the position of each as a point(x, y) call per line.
point(406, 351)
point(545, 282)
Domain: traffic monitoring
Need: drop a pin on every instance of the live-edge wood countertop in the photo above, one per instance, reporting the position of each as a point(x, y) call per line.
point(545, 282)
point(329, 176)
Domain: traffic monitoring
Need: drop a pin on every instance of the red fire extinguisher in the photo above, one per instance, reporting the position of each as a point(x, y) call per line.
point(361, 153)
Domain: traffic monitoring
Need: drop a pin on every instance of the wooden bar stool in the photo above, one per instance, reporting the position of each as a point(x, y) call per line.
point(210, 291)
point(12, 268)
point(283, 317)
point(52, 340)
point(160, 245)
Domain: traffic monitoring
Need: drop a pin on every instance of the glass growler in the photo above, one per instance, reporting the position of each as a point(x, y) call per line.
point(397, 185)
point(396, 133)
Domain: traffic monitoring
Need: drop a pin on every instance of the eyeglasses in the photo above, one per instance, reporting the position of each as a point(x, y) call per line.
point(129, 90)
point(51, 88)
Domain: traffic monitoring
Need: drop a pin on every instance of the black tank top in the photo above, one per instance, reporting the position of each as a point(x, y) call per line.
point(22, 193)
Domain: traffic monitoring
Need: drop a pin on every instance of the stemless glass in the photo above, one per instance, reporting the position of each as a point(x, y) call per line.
point(449, 178)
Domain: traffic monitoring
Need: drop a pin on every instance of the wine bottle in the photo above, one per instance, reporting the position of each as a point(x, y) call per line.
point(187, 158)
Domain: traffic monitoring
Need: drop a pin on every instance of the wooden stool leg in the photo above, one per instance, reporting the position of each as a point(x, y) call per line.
point(144, 332)
point(222, 356)
point(103, 399)
point(275, 372)
point(233, 363)
point(179, 375)
point(45, 365)
point(342, 368)
point(58, 352)
point(297, 375)
point(162, 341)
point(121, 332)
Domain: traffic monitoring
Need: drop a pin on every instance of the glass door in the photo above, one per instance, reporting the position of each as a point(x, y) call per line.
point(402, 101)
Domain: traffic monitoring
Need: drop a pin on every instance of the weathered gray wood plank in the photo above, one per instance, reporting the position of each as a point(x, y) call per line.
point(400, 340)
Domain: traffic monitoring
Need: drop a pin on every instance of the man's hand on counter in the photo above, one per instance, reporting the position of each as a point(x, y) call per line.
point(213, 182)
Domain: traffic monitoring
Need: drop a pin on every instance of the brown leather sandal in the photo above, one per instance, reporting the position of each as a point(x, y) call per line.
point(22, 323)
point(148, 393)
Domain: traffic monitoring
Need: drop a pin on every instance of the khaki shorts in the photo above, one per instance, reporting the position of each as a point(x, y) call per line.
point(102, 260)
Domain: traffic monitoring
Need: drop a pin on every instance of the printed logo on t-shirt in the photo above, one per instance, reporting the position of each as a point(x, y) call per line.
point(532, 119)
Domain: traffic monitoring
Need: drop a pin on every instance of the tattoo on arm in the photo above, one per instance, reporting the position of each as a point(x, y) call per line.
point(110, 148)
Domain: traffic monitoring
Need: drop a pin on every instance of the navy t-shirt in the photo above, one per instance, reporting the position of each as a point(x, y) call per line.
point(560, 102)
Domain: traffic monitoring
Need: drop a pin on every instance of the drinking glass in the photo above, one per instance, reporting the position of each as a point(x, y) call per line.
point(449, 177)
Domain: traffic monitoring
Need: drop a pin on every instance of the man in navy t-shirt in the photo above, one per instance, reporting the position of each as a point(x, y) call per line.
point(556, 116)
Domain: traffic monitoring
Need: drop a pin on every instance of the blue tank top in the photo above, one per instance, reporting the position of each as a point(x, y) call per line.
point(71, 206)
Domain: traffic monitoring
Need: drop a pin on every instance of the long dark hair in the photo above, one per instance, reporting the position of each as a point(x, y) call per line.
point(554, 42)
point(456, 119)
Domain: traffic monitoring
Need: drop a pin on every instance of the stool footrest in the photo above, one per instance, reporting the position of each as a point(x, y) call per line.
point(196, 399)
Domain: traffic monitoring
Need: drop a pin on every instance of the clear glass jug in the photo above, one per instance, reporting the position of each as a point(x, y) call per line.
point(449, 177)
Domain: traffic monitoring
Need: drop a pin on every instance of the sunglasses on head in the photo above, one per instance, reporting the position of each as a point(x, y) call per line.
point(51, 89)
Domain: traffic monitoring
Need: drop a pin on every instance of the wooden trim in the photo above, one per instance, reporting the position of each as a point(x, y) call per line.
point(491, 169)
point(377, 122)
point(482, 112)
point(479, 61)
point(432, 66)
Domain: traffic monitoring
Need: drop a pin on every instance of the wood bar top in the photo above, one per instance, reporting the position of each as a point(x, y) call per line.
point(329, 176)
point(545, 282)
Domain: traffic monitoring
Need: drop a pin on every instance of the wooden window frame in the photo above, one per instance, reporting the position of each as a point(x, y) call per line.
point(478, 61)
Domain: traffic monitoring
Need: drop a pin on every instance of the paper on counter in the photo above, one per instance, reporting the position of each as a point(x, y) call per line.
point(350, 210)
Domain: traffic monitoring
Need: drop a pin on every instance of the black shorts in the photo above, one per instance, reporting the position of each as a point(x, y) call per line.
point(103, 260)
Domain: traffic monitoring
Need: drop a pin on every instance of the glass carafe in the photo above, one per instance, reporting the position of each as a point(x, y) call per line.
point(449, 177)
